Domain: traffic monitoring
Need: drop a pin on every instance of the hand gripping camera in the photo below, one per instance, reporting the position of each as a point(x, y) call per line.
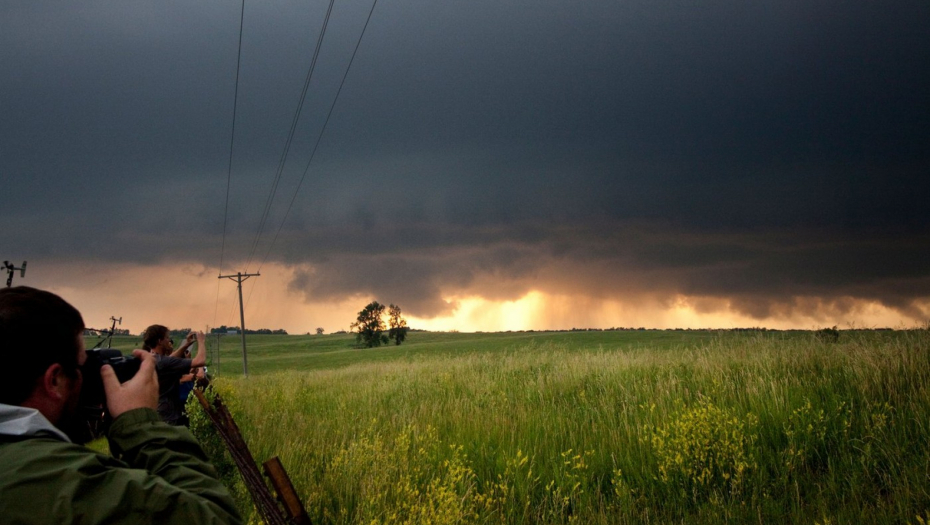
point(93, 398)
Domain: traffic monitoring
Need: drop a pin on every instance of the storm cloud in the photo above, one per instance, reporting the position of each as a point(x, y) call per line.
point(767, 158)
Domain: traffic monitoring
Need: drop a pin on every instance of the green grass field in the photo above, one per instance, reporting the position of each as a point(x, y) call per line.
point(272, 353)
point(589, 427)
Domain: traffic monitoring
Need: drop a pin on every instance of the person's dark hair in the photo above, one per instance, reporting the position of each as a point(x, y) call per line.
point(37, 330)
point(153, 335)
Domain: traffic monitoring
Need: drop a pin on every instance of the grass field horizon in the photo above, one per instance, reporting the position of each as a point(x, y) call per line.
point(590, 427)
point(270, 353)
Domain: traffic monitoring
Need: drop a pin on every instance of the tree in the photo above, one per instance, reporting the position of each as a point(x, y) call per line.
point(828, 335)
point(319, 331)
point(370, 327)
point(398, 330)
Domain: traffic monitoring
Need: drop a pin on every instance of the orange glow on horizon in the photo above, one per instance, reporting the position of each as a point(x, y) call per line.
point(191, 296)
point(539, 311)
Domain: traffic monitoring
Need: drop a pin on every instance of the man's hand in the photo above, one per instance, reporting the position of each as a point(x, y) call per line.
point(200, 358)
point(139, 392)
point(190, 337)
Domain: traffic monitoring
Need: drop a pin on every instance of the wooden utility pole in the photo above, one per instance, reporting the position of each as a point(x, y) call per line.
point(239, 277)
point(113, 329)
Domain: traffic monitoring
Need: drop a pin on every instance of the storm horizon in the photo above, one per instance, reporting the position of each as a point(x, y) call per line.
point(488, 167)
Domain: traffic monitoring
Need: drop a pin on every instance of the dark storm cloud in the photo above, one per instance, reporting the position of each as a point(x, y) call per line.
point(759, 275)
point(772, 156)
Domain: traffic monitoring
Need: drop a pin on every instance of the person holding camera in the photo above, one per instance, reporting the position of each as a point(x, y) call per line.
point(157, 473)
point(171, 366)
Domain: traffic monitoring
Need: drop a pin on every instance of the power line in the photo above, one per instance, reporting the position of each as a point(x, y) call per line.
point(231, 310)
point(320, 136)
point(232, 138)
point(316, 145)
point(290, 136)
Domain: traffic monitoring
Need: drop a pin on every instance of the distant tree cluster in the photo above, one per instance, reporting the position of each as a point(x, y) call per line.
point(369, 327)
point(178, 334)
point(828, 335)
point(261, 331)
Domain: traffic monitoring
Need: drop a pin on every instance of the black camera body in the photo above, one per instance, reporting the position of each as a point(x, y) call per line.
point(92, 394)
point(92, 410)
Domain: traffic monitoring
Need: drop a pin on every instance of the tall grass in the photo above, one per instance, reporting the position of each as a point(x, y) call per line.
point(738, 429)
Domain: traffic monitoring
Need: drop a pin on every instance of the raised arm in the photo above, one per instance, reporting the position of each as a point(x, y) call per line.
point(188, 341)
point(200, 358)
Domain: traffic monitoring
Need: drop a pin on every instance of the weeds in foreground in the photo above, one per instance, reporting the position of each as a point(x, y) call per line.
point(740, 429)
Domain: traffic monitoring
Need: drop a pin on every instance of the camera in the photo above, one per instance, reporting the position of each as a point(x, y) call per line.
point(93, 398)
point(124, 366)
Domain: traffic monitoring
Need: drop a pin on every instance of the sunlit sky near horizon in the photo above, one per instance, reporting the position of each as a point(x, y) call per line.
point(487, 165)
point(193, 296)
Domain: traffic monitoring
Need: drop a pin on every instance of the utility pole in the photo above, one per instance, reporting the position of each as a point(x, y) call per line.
point(10, 269)
point(113, 329)
point(239, 277)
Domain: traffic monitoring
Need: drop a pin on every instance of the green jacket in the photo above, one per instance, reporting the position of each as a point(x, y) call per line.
point(159, 475)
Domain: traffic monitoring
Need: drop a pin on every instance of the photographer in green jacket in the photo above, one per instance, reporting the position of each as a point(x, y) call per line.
point(158, 473)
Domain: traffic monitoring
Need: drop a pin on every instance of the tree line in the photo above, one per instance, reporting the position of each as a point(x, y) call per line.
point(261, 331)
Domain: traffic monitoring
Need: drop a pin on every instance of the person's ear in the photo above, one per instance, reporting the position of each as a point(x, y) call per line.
point(54, 382)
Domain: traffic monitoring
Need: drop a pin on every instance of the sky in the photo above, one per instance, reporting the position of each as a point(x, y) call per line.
point(485, 165)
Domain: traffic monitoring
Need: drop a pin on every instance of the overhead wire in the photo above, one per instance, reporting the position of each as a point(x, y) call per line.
point(320, 136)
point(232, 300)
point(284, 154)
point(232, 140)
point(316, 145)
point(290, 136)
